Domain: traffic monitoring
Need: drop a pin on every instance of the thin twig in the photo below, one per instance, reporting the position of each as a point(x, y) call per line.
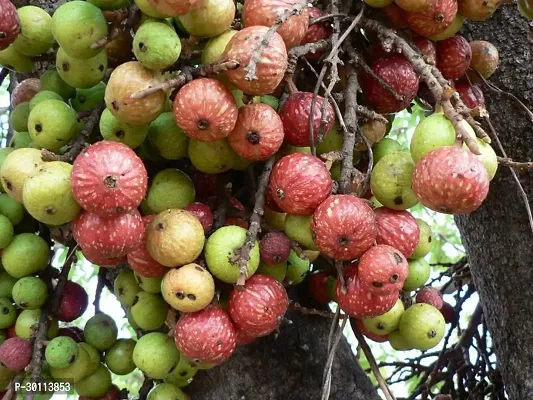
point(145, 388)
point(123, 21)
point(326, 388)
point(99, 287)
point(524, 165)
point(294, 305)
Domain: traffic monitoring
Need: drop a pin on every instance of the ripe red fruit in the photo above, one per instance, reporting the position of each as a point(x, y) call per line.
point(450, 180)
point(94, 257)
point(383, 269)
point(204, 184)
point(108, 178)
point(140, 259)
point(242, 338)
point(485, 57)
point(472, 95)
point(371, 335)
point(275, 248)
point(203, 213)
point(9, 24)
point(266, 12)
point(72, 332)
point(358, 301)
point(295, 113)
point(74, 302)
point(260, 307)
point(453, 57)
point(434, 20)
point(112, 237)
point(448, 312)
point(427, 48)
point(318, 287)
point(207, 336)
point(343, 227)
point(25, 91)
point(396, 16)
point(299, 183)
point(271, 67)
point(15, 353)
point(316, 32)
point(258, 133)
point(205, 109)
point(430, 295)
point(397, 228)
point(398, 73)
point(238, 221)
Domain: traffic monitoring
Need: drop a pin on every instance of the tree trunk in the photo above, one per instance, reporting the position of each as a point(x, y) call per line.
point(498, 237)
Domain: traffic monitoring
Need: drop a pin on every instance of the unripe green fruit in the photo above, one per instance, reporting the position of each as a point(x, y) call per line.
point(149, 311)
point(7, 282)
point(52, 124)
point(398, 342)
point(419, 273)
point(156, 355)
point(156, 45)
point(28, 321)
point(212, 18)
point(18, 118)
point(4, 152)
point(488, 157)
point(110, 5)
point(76, 372)
point(385, 323)
point(211, 157)
point(115, 130)
point(61, 352)
point(51, 81)
point(422, 325)
point(119, 357)
point(383, 147)
point(298, 228)
point(276, 271)
point(26, 255)
point(126, 287)
point(80, 20)
point(131, 321)
point(184, 371)
point(451, 30)
point(425, 243)
point(167, 137)
point(297, 269)
point(150, 285)
point(215, 47)
point(20, 140)
point(8, 314)
point(96, 384)
point(94, 357)
point(43, 96)
point(101, 331)
point(6, 231)
point(219, 251)
point(11, 209)
point(147, 9)
point(272, 101)
point(87, 99)
point(170, 188)
point(391, 181)
point(378, 3)
point(30, 292)
point(15, 61)
point(275, 219)
point(81, 73)
point(3, 336)
point(166, 391)
point(431, 133)
point(35, 35)
point(17, 167)
point(331, 142)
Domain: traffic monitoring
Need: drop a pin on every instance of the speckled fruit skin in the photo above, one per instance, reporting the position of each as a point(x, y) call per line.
point(258, 133)
point(203, 213)
point(383, 269)
point(472, 95)
point(94, 257)
point(205, 110)
point(434, 20)
point(9, 24)
point(140, 259)
point(399, 74)
point(270, 69)
point(358, 301)
point(108, 179)
point(206, 336)
point(316, 32)
point(396, 16)
point(295, 113)
point(478, 10)
point(266, 12)
point(343, 227)
point(259, 308)
point(111, 237)
point(174, 8)
point(299, 183)
point(430, 295)
point(371, 335)
point(453, 57)
point(15, 353)
point(427, 48)
point(485, 57)
point(73, 303)
point(242, 338)
point(25, 91)
point(450, 180)
point(275, 248)
point(397, 228)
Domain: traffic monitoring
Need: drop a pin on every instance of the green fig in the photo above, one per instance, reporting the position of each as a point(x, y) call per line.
point(425, 242)
point(398, 342)
point(7, 282)
point(126, 287)
point(383, 147)
point(35, 35)
point(75, 372)
point(8, 314)
point(211, 157)
point(488, 157)
point(17, 167)
point(15, 61)
point(211, 18)
point(276, 271)
point(214, 48)
point(156, 45)
point(20, 140)
point(28, 322)
point(150, 285)
point(18, 118)
point(81, 73)
point(431, 133)
point(51, 81)
point(61, 352)
point(43, 96)
point(149, 311)
point(52, 124)
point(6, 231)
point(184, 371)
point(119, 357)
point(115, 130)
point(166, 391)
point(101, 331)
point(156, 355)
point(385, 323)
point(30, 292)
point(298, 228)
point(4, 152)
point(422, 326)
point(11, 208)
point(96, 384)
point(419, 273)
point(297, 269)
point(167, 137)
point(331, 142)
point(170, 188)
point(110, 5)
point(146, 8)
point(26, 255)
point(87, 99)
point(94, 357)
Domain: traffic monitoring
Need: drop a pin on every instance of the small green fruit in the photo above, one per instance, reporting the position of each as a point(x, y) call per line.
point(101, 331)
point(451, 30)
point(331, 142)
point(43, 96)
point(81, 73)
point(170, 188)
point(94, 357)
point(211, 157)
point(35, 35)
point(297, 269)
point(87, 99)
point(398, 342)
point(51, 81)
point(276, 271)
point(383, 147)
point(431, 133)
point(184, 371)
point(20, 140)
point(215, 47)
point(156, 355)
point(425, 243)
point(149, 311)
point(150, 285)
point(298, 228)
point(378, 3)
point(166, 391)
point(156, 45)
point(488, 157)
point(167, 137)
point(96, 384)
point(61, 352)
point(119, 357)
point(28, 322)
point(6, 231)
point(115, 130)
point(15, 61)
point(4, 152)
point(126, 287)
point(385, 323)
point(275, 219)
point(30, 292)
point(8, 314)
point(419, 273)
point(422, 325)
point(220, 248)
point(110, 5)
point(212, 18)
point(18, 118)
point(52, 124)
point(26, 255)
point(12, 209)
point(147, 9)
point(7, 282)
point(76, 372)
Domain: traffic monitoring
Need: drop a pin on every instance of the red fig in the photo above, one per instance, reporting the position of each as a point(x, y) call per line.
point(435, 19)
point(453, 57)
point(275, 248)
point(397, 228)
point(73, 303)
point(15, 353)
point(9, 24)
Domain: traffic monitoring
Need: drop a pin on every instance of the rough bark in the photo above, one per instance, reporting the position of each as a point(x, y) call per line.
point(497, 237)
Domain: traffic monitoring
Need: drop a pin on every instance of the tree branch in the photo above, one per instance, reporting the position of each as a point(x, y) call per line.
point(123, 20)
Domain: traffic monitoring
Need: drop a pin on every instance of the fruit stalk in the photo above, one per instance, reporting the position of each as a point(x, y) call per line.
point(299, 51)
point(99, 287)
point(122, 21)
